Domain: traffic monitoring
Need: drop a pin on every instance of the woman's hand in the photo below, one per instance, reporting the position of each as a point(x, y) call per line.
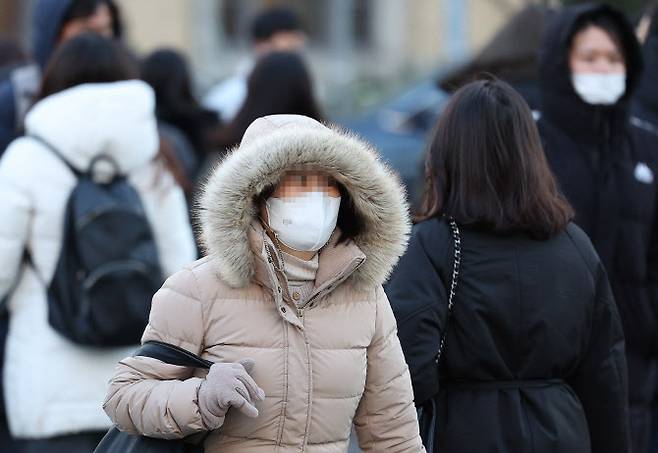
point(228, 384)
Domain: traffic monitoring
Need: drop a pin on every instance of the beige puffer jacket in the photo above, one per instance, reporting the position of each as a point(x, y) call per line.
point(331, 363)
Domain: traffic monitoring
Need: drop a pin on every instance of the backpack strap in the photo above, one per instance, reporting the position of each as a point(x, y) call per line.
point(78, 174)
point(173, 355)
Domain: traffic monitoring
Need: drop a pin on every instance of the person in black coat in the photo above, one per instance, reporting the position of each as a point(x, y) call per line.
point(645, 114)
point(534, 352)
point(606, 164)
point(645, 102)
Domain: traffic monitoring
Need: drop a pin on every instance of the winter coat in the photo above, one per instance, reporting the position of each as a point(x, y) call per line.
point(18, 91)
point(332, 362)
point(645, 102)
point(534, 356)
point(52, 386)
point(607, 166)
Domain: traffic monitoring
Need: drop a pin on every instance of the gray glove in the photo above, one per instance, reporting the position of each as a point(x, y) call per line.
point(228, 384)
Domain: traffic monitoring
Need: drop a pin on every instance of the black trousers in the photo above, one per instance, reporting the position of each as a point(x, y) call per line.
point(7, 443)
point(643, 387)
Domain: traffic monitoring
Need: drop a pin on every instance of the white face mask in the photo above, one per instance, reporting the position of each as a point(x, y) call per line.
point(303, 223)
point(599, 89)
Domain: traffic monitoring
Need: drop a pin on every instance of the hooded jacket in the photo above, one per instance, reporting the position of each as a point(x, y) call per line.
point(331, 362)
point(607, 166)
point(52, 386)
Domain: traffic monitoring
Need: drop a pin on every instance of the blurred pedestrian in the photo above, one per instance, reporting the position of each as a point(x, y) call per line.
point(178, 111)
point(533, 358)
point(279, 84)
point(53, 22)
point(302, 225)
point(11, 57)
point(606, 166)
point(88, 106)
point(645, 100)
point(276, 29)
point(645, 109)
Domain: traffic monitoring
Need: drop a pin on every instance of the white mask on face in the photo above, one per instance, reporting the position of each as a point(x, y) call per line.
point(599, 89)
point(305, 222)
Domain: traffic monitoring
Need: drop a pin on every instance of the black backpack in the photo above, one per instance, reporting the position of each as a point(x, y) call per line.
point(108, 268)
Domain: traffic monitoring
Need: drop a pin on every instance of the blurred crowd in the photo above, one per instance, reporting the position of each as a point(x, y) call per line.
point(590, 77)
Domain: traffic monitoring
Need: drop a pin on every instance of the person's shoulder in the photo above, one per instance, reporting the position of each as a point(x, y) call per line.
point(434, 229)
point(209, 284)
point(24, 154)
point(644, 135)
point(581, 241)
point(430, 240)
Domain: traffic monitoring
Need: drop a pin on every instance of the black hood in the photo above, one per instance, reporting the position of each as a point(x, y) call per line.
point(560, 102)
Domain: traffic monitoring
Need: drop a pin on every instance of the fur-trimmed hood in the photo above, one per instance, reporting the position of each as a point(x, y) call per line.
point(271, 146)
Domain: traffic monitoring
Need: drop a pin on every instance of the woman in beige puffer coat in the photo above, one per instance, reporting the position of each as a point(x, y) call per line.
point(317, 326)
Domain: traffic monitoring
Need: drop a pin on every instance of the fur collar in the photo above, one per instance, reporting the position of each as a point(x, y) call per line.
point(274, 144)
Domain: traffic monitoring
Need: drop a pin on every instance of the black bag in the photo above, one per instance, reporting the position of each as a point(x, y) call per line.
point(108, 268)
point(428, 411)
point(116, 441)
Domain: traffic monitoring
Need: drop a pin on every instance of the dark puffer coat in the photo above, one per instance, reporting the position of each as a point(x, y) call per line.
point(607, 166)
point(534, 358)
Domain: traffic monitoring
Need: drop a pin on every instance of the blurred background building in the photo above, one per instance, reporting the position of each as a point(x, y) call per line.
point(382, 68)
point(360, 50)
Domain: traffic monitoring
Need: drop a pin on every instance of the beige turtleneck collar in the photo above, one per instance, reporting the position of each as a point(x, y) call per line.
point(301, 276)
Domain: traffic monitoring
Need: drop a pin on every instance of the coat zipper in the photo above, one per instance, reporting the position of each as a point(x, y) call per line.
point(309, 401)
point(284, 408)
point(331, 283)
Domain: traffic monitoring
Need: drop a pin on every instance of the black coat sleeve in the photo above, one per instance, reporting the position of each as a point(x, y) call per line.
point(417, 294)
point(600, 380)
point(652, 270)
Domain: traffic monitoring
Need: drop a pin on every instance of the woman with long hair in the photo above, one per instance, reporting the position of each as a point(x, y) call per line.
point(167, 72)
point(533, 350)
point(279, 84)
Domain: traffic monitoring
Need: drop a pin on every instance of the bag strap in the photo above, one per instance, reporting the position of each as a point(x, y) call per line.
point(173, 355)
point(456, 266)
point(78, 174)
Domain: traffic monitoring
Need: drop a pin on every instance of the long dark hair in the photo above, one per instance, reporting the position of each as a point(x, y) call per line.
point(279, 84)
point(486, 167)
point(87, 58)
point(167, 72)
point(91, 58)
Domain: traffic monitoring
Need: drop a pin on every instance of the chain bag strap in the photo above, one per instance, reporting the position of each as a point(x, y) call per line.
point(428, 412)
point(457, 260)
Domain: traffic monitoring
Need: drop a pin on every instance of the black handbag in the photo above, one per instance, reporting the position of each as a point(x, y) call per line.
point(116, 441)
point(428, 411)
